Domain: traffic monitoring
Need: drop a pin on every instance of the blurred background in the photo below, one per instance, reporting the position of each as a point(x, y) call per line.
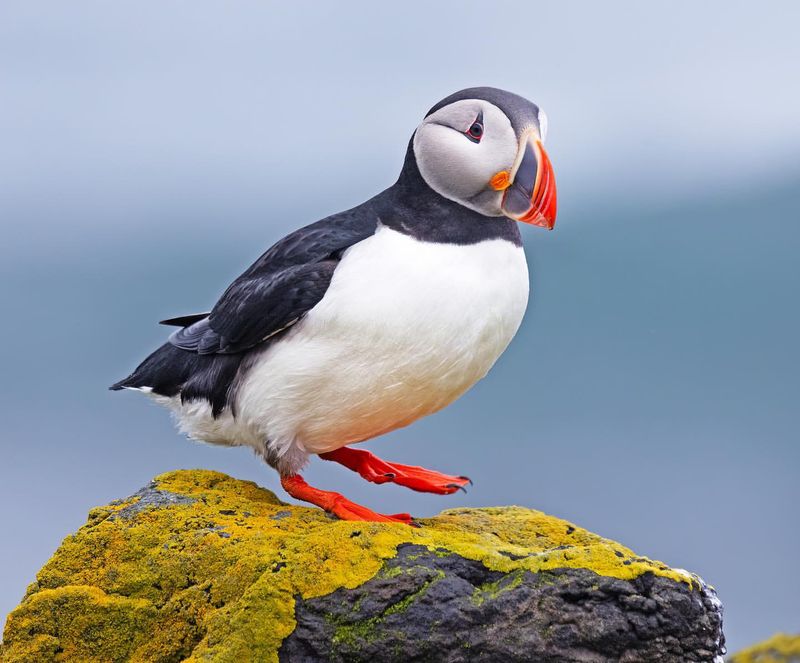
point(150, 151)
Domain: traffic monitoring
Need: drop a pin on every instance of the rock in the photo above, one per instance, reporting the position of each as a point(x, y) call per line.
point(780, 648)
point(199, 566)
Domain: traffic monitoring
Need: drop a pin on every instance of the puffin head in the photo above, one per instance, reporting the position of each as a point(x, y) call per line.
point(482, 148)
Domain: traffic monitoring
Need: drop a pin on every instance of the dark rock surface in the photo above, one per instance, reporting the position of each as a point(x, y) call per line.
point(438, 606)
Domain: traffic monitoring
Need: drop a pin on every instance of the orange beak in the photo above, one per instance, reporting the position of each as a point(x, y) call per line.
point(531, 196)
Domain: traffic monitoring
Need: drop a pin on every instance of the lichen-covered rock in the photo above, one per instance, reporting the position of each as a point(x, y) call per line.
point(780, 648)
point(199, 566)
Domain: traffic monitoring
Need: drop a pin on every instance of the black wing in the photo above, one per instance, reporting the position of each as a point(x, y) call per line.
point(184, 320)
point(255, 309)
point(278, 289)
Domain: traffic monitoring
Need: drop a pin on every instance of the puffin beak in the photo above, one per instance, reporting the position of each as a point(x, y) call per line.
point(531, 196)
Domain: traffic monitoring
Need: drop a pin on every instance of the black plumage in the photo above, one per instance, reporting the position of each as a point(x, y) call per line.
point(184, 320)
point(171, 371)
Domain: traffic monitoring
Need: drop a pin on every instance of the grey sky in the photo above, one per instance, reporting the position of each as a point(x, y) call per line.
point(149, 151)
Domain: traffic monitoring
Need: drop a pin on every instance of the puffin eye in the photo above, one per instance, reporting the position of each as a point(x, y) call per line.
point(475, 131)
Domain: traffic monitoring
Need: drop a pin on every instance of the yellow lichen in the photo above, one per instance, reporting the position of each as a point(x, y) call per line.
point(213, 575)
point(780, 648)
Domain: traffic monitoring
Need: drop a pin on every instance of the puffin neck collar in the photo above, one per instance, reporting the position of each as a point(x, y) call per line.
point(412, 207)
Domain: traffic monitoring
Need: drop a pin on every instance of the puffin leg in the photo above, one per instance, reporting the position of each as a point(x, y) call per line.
point(376, 470)
point(335, 503)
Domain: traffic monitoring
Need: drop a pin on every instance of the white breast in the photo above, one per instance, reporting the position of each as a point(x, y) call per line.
point(405, 328)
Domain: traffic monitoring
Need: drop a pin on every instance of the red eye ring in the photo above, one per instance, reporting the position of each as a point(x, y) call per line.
point(475, 131)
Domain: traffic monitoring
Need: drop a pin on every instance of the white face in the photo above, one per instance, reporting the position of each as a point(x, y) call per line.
point(457, 166)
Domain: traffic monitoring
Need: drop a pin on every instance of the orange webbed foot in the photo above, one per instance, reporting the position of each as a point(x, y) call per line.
point(416, 478)
point(338, 504)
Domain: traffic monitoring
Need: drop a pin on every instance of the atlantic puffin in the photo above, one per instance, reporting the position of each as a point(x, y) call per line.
point(369, 319)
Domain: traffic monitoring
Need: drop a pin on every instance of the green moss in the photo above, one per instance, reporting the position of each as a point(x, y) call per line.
point(350, 635)
point(780, 648)
point(206, 567)
point(491, 590)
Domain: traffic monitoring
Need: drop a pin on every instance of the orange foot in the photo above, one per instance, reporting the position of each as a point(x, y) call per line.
point(376, 470)
point(337, 504)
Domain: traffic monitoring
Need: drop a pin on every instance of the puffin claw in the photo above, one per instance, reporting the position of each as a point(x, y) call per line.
point(466, 479)
point(455, 485)
point(390, 475)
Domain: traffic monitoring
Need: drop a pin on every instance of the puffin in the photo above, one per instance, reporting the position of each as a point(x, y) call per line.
point(371, 318)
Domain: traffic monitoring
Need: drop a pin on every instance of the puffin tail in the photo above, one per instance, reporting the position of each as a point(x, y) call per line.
point(171, 371)
point(164, 371)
